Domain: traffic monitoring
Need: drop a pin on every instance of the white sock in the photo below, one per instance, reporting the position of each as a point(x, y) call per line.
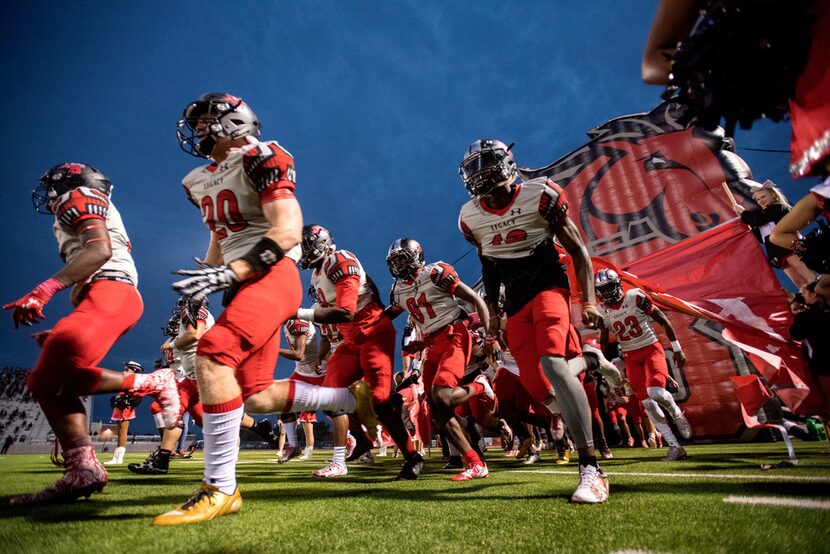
point(339, 457)
point(658, 418)
point(290, 433)
point(221, 434)
point(666, 401)
point(310, 398)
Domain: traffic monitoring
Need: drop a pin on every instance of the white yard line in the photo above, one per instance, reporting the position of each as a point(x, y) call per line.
point(700, 475)
point(778, 501)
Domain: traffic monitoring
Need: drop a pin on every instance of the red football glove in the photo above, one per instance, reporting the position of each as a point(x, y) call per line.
point(29, 309)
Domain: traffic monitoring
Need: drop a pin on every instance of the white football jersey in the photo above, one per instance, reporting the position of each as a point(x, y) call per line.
point(631, 321)
point(79, 205)
point(307, 366)
point(429, 297)
point(230, 194)
point(516, 230)
point(339, 265)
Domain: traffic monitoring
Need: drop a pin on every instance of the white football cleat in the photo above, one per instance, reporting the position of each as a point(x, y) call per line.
point(606, 368)
point(593, 486)
point(331, 470)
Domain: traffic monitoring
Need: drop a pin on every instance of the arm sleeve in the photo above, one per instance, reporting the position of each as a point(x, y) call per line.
point(553, 205)
point(80, 205)
point(492, 279)
point(444, 277)
point(270, 170)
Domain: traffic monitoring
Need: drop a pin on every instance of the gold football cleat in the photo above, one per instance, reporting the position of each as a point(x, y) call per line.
point(205, 505)
point(364, 406)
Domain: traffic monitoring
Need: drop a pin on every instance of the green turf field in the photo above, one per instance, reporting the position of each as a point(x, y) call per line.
point(654, 506)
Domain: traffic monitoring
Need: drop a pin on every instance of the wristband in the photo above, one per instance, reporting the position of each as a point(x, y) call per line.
point(490, 339)
point(48, 288)
point(586, 304)
point(306, 314)
point(675, 345)
point(263, 255)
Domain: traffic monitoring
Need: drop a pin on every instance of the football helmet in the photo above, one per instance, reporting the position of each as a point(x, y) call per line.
point(212, 115)
point(65, 177)
point(317, 243)
point(608, 286)
point(487, 164)
point(405, 258)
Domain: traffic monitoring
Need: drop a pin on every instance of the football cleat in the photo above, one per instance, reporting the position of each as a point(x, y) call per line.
point(485, 383)
point(366, 459)
point(454, 462)
point(331, 470)
point(532, 458)
point(606, 453)
point(683, 426)
point(411, 468)
point(289, 453)
point(472, 471)
point(161, 385)
point(524, 447)
point(364, 405)
point(675, 453)
point(83, 475)
point(606, 368)
point(651, 442)
point(593, 486)
point(150, 466)
point(564, 457)
point(265, 431)
point(207, 504)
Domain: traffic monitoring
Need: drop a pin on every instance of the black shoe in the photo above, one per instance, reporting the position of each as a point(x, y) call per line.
point(150, 466)
point(265, 431)
point(455, 462)
point(362, 447)
point(412, 467)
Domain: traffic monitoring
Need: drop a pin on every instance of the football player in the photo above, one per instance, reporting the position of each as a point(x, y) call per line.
point(428, 293)
point(246, 197)
point(513, 225)
point(349, 298)
point(630, 315)
point(95, 248)
point(302, 338)
point(123, 411)
point(194, 319)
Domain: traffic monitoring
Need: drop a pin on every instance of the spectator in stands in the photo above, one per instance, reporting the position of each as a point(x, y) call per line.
point(6, 444)
point(774, 207)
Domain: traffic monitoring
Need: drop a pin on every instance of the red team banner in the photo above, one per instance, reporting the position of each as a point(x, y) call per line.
point(647, 196)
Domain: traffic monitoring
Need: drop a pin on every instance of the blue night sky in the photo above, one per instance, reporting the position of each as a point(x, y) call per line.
point(377, 101)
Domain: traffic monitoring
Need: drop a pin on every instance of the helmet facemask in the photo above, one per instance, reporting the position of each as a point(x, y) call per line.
point(487, 165)
point(212, 116)
point(608, 286)
point(316, 244)
point(405, 259)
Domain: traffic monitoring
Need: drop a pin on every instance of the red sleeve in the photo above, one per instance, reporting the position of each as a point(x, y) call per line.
point(347, 289)
point(467, 232)
point(298, 328)
point(270, 170)
point(80, 205)
point(202, 315)
point(553, 205)
point(444, 277)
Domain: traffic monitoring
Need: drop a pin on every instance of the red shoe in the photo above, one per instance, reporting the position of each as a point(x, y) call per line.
point(83, 475)
point(289, 453)
point(472, 471)
point(161, 385)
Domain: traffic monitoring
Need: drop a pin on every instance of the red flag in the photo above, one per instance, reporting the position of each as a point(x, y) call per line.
point(751, 392)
